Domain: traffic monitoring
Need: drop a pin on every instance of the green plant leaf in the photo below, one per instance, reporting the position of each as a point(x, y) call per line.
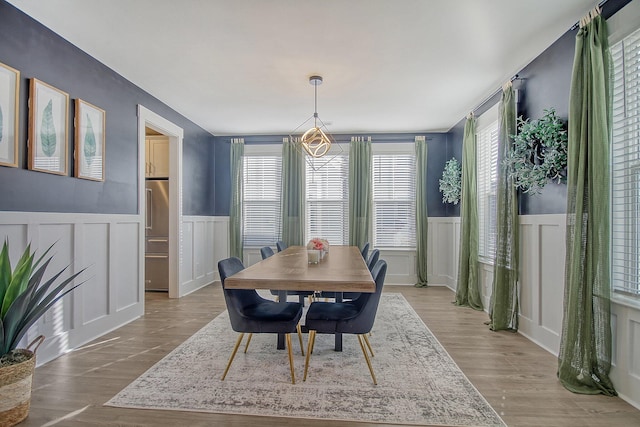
point(89, 142)
point(38, 306)
point(48, 131)
point(19, 280)
point(5, 270)
point(14, 315)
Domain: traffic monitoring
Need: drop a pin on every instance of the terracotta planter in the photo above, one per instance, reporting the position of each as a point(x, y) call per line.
point(15, 387)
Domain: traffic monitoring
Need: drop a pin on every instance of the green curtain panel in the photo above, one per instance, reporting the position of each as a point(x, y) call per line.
point(504, 297)
point(584, 361)
point(359, 190)
point(293, 193)
point(237, 195)
point(468, 290)
point(422, 216)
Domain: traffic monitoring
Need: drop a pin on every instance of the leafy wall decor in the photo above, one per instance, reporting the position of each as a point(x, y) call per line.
point(89, 142)
point(48, 131)
point(48, 128)
point(539, 152)
point(451, 182)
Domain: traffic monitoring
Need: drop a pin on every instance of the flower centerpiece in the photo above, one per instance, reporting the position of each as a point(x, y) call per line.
point(319, 246)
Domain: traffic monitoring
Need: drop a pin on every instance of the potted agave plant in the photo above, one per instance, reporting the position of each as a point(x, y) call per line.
point(24, 298)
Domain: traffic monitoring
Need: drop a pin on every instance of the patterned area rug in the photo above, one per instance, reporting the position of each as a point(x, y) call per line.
point(418, 382)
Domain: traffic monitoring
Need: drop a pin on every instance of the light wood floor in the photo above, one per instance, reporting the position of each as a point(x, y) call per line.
point(515, 376)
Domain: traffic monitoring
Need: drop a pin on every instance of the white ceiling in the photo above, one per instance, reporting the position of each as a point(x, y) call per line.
point(241, 67)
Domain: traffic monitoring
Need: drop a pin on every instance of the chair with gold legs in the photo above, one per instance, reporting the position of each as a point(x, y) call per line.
point(350, 317)
point(250, 313)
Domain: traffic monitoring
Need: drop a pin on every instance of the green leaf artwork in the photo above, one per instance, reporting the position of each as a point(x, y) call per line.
point(89, 142)
point(48, 131)
point(1, 128)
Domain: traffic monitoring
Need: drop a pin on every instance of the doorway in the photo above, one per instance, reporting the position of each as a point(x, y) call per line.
point(150, 122)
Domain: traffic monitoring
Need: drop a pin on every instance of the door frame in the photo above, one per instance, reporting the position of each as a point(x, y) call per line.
point(147, 118)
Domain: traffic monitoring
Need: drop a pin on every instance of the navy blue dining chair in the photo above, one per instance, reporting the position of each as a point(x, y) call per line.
point(266, 252)
point(365, 251)
point(351, 317)
point(250, 313)
point(373, 258)
point(281, 245)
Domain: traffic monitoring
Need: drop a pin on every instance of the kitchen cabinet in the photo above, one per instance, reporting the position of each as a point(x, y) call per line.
point(157, 157)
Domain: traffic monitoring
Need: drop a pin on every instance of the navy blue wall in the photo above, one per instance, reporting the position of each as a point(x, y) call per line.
point(545, 83)
point(37, 52)
point(437, 156)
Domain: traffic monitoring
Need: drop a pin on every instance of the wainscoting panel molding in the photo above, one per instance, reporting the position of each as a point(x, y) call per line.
point(199, 264)
point(108, 247)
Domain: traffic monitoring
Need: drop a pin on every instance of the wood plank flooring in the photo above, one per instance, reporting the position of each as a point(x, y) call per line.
point(517, 377)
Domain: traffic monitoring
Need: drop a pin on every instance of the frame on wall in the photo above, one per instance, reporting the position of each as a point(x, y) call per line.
point(9, 112)
point(48, 128)
point(89, 141)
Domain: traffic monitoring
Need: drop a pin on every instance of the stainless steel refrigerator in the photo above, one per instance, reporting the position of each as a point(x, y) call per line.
point(156, 269)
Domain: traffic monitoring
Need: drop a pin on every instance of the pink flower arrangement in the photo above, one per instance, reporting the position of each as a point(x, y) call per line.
point(318, 244)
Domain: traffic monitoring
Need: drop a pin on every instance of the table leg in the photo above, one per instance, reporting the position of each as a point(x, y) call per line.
point(282, 298)
point(338, 337)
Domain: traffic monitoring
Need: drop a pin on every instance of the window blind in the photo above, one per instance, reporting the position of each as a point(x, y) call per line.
point(625, 166)
point(328, 199)
point(394, 212)
point(261, 207)
point(487, 175)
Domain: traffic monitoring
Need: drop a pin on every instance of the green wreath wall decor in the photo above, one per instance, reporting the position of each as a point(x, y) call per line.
point(451, 182)
point(539, 153)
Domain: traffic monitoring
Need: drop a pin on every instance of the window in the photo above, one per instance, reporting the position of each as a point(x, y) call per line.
point(487, 158)
point(625, 166)
point(261, 203)
point(328, 199)
point(394, 189)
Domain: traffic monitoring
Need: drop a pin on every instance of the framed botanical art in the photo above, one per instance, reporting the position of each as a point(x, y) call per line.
point(89, 141)
point(48, 128)
point(9, 98)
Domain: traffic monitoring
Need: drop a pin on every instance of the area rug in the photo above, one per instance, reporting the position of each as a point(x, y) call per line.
point(418, 382)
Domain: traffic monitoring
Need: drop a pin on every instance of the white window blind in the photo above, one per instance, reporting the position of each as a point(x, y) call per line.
point(625, 166)
point(487, 175)
point(261, 204)
point(394, 209)
point(328, 199)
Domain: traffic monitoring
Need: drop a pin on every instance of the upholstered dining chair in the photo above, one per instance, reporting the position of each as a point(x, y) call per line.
point(266, 252)
point(351, 317)
point(281, 245)
point(373, 258)
point(365, 250)
point(250, 313)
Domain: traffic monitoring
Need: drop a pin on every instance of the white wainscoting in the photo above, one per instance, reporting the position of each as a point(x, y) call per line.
point(198, 260)
point(108, 247)
point(625, 371)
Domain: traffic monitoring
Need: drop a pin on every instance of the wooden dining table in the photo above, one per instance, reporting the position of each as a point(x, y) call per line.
point(342, 269)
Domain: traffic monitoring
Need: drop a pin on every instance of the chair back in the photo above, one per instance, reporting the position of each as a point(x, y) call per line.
point(236, 299)
point(367, 303)
point(281, 245)
point(266, 252)
point(365, 250)
point(373, 258)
